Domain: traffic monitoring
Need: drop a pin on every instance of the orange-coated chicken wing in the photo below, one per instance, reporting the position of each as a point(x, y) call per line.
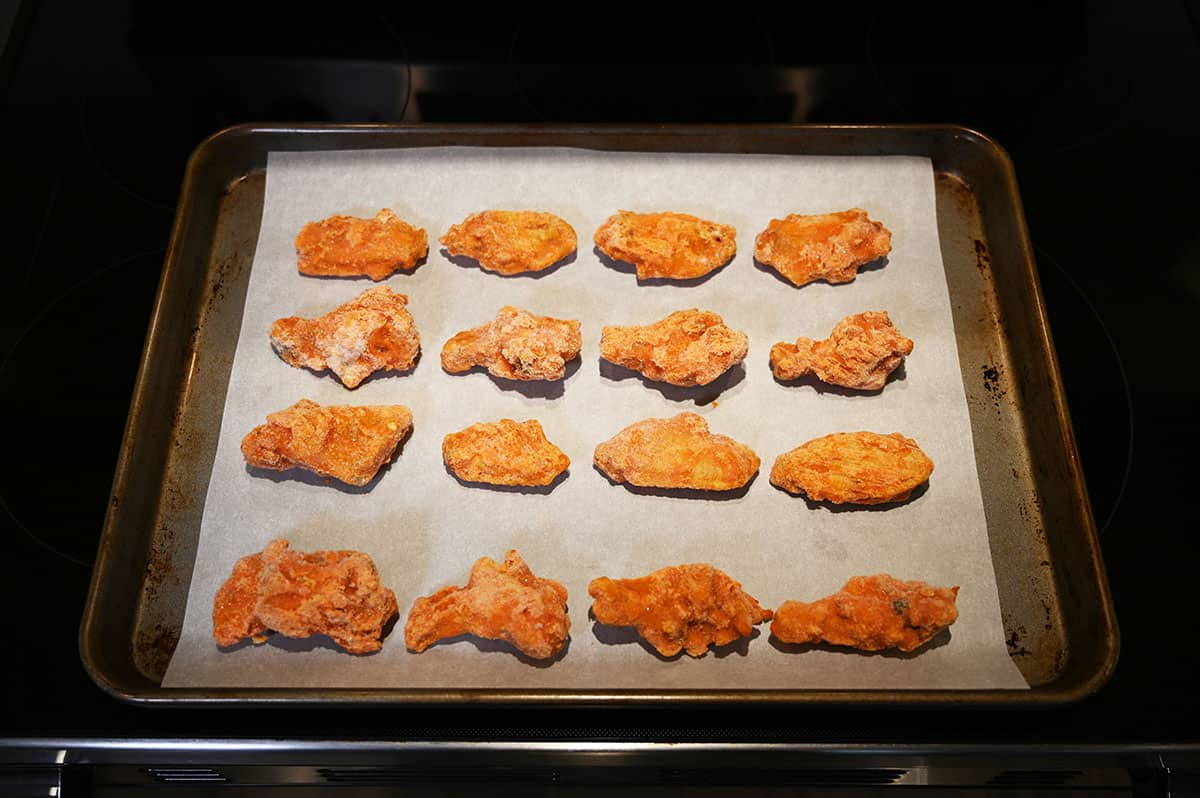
point(683, 607)
point(334, 593)
point(853, 468)
point(511, 242)
point(516, 346)
point(871, 613)
point(674, 246)
point(688, 347)
point(829, 246)
point(504, 453)
point(676, 452)
point(345, 442)
point(372, 332)
point(860, 353)
point(346, 246)
point(500, 602)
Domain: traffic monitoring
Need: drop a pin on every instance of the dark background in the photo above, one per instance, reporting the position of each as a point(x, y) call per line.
point(1096, 102)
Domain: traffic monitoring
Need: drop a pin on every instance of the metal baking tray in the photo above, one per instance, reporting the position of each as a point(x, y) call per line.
point(1054, 597)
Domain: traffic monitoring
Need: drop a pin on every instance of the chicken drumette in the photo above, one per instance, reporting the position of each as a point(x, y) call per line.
point(829, 246)
point(346, 442)
point(682, 607)
point(674, 246)
point(676, 452)
point(871, 613)
point(511, 242)
point(346, 246)
point(297, 594)
point(501, 601)
point(517, 345)
point(688, 347)
point(860, 353)
point(372, 332)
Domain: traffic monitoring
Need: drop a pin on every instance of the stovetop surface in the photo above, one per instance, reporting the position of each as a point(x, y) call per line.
point(1096, 104)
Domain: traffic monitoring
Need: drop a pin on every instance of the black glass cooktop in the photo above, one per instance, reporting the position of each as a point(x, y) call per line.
point(1097, 104)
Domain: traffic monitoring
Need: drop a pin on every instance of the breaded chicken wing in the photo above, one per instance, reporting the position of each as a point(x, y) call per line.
point(853, 468)
point(516, 346)
point(683, 607)
point(871, 613)
point(688, 347)
point(860, 353)
point(504, 453)
point(674, 246)
point(511, 242)
point(828, 247)
point(345, 442)
point(500, 602)
point(372, 332)
point(345, 246)
point(334, 593)
point(676, 452)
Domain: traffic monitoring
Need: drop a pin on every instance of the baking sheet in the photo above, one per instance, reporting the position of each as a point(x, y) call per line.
point(424, 529)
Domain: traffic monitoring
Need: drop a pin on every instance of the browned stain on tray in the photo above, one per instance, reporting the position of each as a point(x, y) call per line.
point(982, 259)
point(155, 645)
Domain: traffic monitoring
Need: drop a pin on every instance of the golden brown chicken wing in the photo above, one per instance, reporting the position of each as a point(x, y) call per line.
point(829, 246)
point(372, 332)
point(860, 353)
point(683, 607)
point(853, 468)
point(345, 442)
point(674, 246)
point(500, 602)
point(676, 452)
point(870, 613)
point(511, 242)
point(334, 593)
point(516, 346)
point(345, 246)
point(504, 453)
point(688, 347)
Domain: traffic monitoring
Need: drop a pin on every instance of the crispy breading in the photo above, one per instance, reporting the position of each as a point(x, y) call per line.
point(688, 347)
point(860, 353)
point(853, 468)
point(297, 594)
point(871, 613)
point(511, 242)
point(500, 602)
point(830, 246)
point(682, 607)
point(504, 452)
point(516, 346)
point(372, 332)
point(676, 452)
point(347, 442)
point(346, 246)
point(234, 617)
point(674, 246)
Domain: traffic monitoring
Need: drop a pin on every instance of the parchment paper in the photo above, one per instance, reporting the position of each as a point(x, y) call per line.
point(424, 529)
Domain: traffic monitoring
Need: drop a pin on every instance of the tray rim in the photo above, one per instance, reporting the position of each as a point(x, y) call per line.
point(1049, 695)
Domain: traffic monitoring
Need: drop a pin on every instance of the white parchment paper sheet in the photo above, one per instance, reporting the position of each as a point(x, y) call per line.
point(424, 529)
